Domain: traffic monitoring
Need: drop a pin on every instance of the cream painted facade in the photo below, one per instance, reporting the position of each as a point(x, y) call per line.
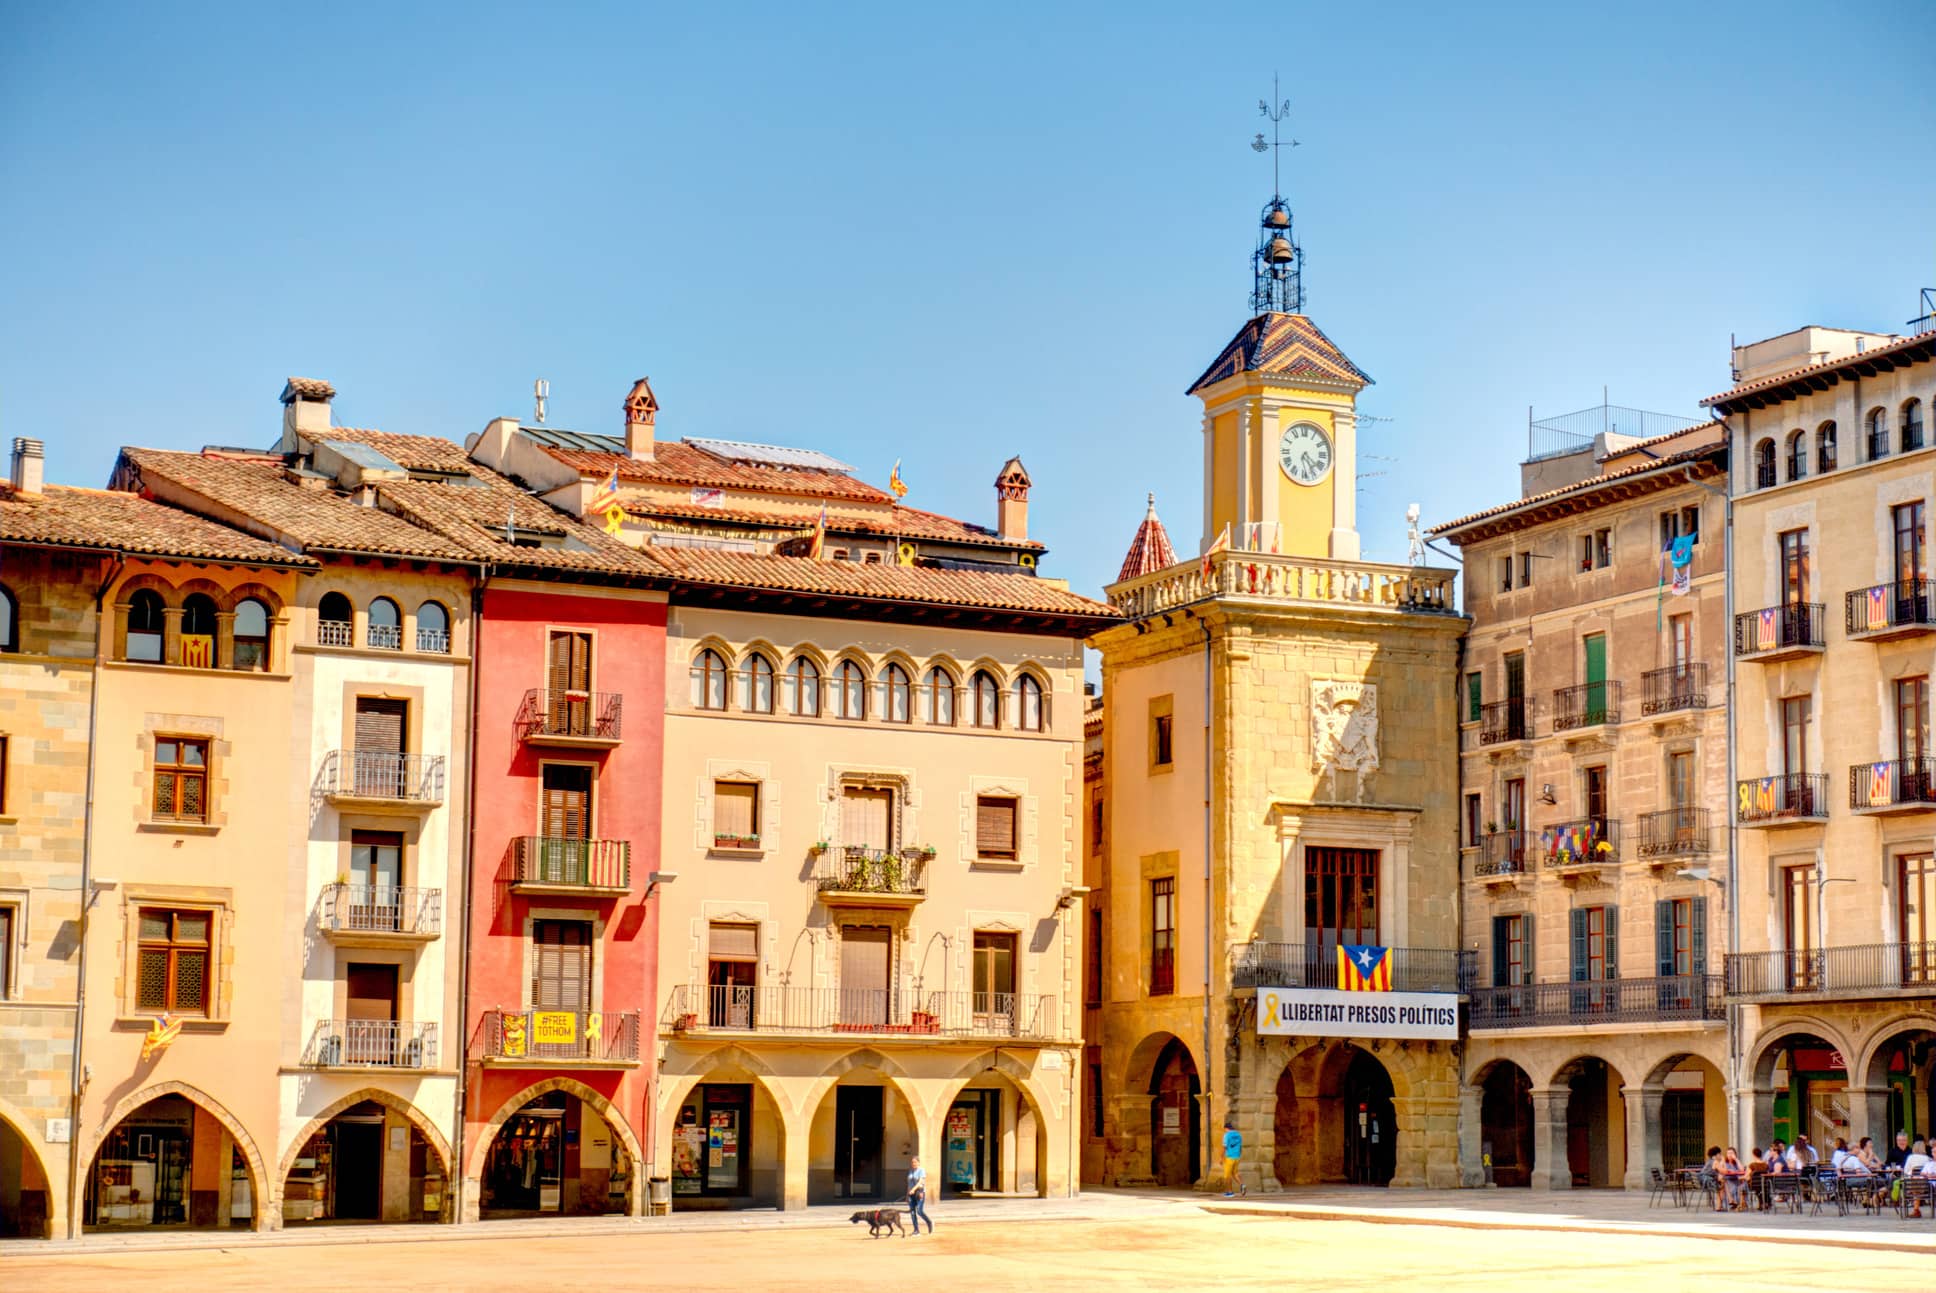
point(1593, 773)
point(1837, 813)
point(823, 994)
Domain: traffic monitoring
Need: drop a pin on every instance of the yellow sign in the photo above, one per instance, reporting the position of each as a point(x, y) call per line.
point(513, 1036)
point(593, 1022)
point(554, 1027)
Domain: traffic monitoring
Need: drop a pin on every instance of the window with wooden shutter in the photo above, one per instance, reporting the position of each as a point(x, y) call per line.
point(381, 724)
point(867, 817)
point(733, 942)
point(1162, 917)
point(180, 780)
point(567, 801)
point(172, 971)
point(561, 965)
point(569, 682)
point(736, 813)
point(995, 826)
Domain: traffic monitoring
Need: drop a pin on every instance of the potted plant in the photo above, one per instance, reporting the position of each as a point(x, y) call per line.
point(1492, 827)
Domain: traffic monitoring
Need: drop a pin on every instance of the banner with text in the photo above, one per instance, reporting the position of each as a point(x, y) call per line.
point(1326, 1012)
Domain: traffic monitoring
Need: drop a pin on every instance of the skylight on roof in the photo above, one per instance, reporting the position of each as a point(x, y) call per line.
point(364, 456)
point(771, 455)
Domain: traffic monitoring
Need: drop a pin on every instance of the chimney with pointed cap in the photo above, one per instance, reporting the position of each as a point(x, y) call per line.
point(305, 411)
point(1011, 501)
point(29, 465)
point(641, 411)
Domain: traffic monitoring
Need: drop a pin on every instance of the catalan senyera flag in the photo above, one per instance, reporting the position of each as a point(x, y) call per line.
point(160, 1033)
point(894, 481)
point(1363, 969)
point(607, 496)
point(1220, 544)
point(819, 535)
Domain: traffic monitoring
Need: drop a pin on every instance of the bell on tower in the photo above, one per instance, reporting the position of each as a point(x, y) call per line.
point(1277, 285)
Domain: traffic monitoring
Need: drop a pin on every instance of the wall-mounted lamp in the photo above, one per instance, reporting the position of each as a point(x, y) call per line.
point(1070, 892)
point(1546, 794)
point(95, 888)
point(654, 879)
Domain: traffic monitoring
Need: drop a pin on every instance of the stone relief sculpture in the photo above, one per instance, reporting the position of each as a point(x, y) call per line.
point(1344, 729)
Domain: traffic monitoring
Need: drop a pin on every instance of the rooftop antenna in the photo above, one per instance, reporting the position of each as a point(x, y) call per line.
point(540, 392)
point(1276, 265)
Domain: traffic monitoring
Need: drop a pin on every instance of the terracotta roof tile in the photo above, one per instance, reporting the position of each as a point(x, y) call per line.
point(413, 452)
point(475, 515)
point(904, 522)
point(677, 463)
point(1712, 447)
point(1891, 351)
point(1288, 345)
point(113, 521)
point(307, 388)
point(1150, 550)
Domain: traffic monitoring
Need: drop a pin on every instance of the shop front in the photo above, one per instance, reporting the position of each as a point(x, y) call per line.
point(712, 1140)
point(366, 1164)
point(556, 1155)
point(169, 1163)
point(972, 1144)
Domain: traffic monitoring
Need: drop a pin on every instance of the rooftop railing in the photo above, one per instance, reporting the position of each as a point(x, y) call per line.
point(1303, 581)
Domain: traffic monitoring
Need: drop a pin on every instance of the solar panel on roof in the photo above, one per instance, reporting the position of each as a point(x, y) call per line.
point(363, 455)
point(770, 455)
point(559, 438)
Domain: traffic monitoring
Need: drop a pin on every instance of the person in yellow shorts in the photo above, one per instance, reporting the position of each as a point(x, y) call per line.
point(1233, 1153)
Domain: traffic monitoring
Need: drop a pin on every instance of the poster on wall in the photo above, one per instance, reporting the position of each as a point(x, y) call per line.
point(688, 1143)
point(1326, 1012)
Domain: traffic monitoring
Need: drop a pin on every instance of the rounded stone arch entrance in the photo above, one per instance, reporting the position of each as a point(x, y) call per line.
point(1164, 1145)
point(1596, 1121)
point(737, 1093)
point(160, 1161)
point(516, 1119)
point(1337, 1119)
point(412, 1180)
point(865, 1124)
point(1801, 1083)
point(1898, 1080)
point(1506, 1137)
point(994, 1131)
point(1683, 1099)
point(30, 1208)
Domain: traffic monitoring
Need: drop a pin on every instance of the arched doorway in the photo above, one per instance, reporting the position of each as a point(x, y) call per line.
point(1370, 1121)
point(1506, 1123)
point(368, 1162)
point(1807, 1077)
point(863, 1133)
point(1176, 1133)
point(1336, 1120)
point(993, 1140)
point(26, 1201)
point(1692, 1113)
point(1596, 1122)
point(170, 1162)
point(729, 1109)
point(557, 1154)
point(1903, 1067)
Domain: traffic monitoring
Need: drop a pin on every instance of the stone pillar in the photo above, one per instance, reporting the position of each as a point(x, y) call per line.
point(1412, 1159)
point(1472, 1168)
point(1868, 1116)
point(225, 643)
point(1757, 1105)
point(1129, 1149)
point(1643, 1133)
point(171, 618)
point(1210, 1150)
point(1550, 1169)
point(797, 1128)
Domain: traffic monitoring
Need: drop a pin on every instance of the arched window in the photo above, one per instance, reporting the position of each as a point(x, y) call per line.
point(198, 631)
point(1912, 425)
point(941, 697)
point(1028, 703)
point(850, 691)
point(251, 635)
point(385, 631)
point(1797, 455)
point(146, 618)
point(896, 695)
point(334, 618)
point(754, 693)
point(1765, 464)
point(803, 688)
point(1825, 447)
point(985, 699)
point(9, 620)
point(433, 628)
point(708, 680)
point(1878, 434)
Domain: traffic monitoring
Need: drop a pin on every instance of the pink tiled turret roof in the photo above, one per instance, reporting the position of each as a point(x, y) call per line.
point(1150, 550)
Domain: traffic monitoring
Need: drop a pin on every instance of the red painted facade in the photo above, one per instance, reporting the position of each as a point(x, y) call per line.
point(576, 889)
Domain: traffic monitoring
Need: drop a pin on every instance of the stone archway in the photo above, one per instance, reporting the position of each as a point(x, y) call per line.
point(1344, 1124)
point(30, 1206)
point(740, 1085)
point(432, 1137)
point(262, 1197)
point(1593, 1121)
point(1801, 1083)
point(1898, 1080)
point(1031, 1168)
point(487, 1136)
point(860, 1134)
point(1506, 1123)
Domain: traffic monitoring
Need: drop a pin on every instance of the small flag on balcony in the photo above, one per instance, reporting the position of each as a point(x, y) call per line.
point(1878, 606)
point(593, 1023)
point(1879, 784)
point(1220, 544)
point(1363, 969)
point(1767, 628)
point(513, 1041)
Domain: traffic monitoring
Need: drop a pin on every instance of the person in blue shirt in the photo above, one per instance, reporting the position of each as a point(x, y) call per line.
point(1233, 1153)
point(917, 1195)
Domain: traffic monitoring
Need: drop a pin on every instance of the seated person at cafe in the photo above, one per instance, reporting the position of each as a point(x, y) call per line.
point(1840, 1155)
point(1865, 1150)
point(1777, 1158)
point(1901, 1150)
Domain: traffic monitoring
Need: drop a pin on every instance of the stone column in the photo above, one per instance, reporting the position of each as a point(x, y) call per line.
point(796, 1127)
point(1472, 1168)
point(1550, 1169)
point(224, 640)
point(1869, 1116)
point(1757, 1104)
point(1411, 1161)
point(1129, 1149)
point(171, 618)
point(1643, 1133)
point(1210, 1132)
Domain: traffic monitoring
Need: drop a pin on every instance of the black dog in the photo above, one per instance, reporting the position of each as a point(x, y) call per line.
point(880, 1221)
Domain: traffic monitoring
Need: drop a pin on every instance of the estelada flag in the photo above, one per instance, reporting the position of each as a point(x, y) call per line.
point(607, 497)
point(1221, 544)
point(1363, 969)
point(819, 535)
point(894, 481)
point(160, 1035)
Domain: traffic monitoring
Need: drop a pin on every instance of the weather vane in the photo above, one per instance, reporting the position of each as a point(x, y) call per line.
point(1273, 147)
point(1277, 278)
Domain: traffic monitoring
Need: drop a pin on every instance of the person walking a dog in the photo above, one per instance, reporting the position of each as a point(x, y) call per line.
point(917, 1194)
point(1233, 1153)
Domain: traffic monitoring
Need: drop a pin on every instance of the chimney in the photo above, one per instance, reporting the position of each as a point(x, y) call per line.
point(641, 410)
point(29, 465)
point(1011, 501)
point(305, 411)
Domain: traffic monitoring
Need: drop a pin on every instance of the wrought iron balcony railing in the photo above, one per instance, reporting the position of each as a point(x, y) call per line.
point(335, 633)
point(1797, 626)
point(560, 862)
point(899, 873)
point(1859, 969)
point(381, 909)
point(1681, 686)
point(371, 1043)
point(1598, 1001)
point(1505, 720)
point(384, 774)
point(433, 641)
point(383, 637)
point(1794, 796)
point(570, 715)
point(1899, 605)
point(1301, 965)
point(561, 1036)
point(1501, 853)
point(1587, 704)
point(1893, 784)
point(1673, 832)
point(1580, 842)
point(884, 1012)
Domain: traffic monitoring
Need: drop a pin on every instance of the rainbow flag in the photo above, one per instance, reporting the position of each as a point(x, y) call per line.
point(1364, 969)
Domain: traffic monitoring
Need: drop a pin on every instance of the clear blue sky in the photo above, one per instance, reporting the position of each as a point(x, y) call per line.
point(945, 237)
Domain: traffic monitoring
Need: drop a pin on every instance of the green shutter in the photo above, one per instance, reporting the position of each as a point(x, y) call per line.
point(1698, 941)
point(1532, 964)
point(1664, 937)
point(1499, 963)
point(1613, 940)
point(1475, 693)
point(1579, 944)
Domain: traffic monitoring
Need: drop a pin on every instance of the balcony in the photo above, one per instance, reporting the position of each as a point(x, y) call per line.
point(1583, 844)
point(1673, 833)
point(383, 780)
point(585, 1039)
point(1362, 586)
point(1501, 853)
point(1504, 720)
point(335, 633)
point(577, 720)
point(1678, 998)
point(371, 1044)
point(857, 877)
point(1796, 797)
point(1681, 686)
point(383, 637)
point(551, 864)
point(1300, 965)
point(1861, 970)
point(362, 915)
point(1590, 704)
point(1780, 632)
point(1893, 786)
point(1893, 610)
point(702, 1009)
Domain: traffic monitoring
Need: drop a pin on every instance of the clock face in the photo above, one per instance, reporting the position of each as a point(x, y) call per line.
point(1305, 453)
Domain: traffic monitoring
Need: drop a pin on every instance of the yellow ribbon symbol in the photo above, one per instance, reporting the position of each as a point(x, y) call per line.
point(1270, 1008)
point(615, 521)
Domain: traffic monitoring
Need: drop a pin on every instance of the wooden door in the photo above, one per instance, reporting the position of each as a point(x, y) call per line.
point(566, 823)
point(866, 962)
point(381, 726)
point(995, 982)
point(568, 678)
point(370, 1013)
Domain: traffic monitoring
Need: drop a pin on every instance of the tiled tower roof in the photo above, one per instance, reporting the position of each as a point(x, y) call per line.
point(1150, 550)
